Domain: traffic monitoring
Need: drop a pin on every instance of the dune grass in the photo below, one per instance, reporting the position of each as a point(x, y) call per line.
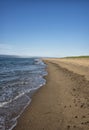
point(77, 57)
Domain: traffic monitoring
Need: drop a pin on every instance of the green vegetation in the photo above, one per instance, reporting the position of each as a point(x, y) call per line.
point(77, 57)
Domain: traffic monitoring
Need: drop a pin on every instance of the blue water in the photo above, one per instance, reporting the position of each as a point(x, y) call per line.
point(19, 78)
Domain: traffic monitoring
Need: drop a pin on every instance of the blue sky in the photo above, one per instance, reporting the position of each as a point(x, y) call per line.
point(52, 28)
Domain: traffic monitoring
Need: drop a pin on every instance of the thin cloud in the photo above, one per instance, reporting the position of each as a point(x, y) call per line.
point(5, 47)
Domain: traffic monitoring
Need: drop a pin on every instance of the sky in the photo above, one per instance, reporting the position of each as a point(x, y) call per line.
point(46, 28)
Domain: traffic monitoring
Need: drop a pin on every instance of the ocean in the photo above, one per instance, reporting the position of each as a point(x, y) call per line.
point(19, 79)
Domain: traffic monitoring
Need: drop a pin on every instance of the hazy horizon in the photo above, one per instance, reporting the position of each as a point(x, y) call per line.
point(44, 28)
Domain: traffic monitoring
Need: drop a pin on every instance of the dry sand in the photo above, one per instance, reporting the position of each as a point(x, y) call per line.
point(63, 103)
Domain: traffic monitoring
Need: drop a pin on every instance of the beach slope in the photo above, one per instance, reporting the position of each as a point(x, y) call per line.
point(63, 103)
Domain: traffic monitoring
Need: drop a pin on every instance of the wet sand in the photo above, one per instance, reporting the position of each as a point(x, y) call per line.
point(63, 103)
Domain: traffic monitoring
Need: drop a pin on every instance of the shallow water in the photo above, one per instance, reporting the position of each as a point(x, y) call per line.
point(19, 78)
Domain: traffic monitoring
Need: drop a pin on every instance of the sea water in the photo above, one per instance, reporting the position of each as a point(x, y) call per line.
point(19, 78)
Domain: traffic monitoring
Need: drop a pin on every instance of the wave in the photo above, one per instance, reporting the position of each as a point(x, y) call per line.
point(15, 94)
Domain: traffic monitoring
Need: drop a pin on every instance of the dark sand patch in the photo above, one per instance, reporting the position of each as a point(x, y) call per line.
point(62, 104)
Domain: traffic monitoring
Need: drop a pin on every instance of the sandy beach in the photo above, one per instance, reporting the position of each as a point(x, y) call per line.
point(63, 103)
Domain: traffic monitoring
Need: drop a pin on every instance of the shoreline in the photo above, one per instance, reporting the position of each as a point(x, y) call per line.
point(61, 104)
